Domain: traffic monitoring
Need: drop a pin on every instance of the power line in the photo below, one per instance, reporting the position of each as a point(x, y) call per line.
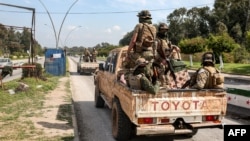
point(109, 12)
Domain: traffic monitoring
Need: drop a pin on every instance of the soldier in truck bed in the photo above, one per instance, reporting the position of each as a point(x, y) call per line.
point(164, 50)
point(86, 55)
point(143, 74)
point(94, 54)
point(143, 38)
point(204, 77)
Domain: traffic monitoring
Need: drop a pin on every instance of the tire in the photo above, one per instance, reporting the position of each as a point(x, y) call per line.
point(99, 102)
point(121, 125)
point(192, 134)
point(78, 70)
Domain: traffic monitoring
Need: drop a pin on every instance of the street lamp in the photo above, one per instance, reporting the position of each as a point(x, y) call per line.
point(64, 20)
point(57, 37)
point(54, 29)
point(70, 33)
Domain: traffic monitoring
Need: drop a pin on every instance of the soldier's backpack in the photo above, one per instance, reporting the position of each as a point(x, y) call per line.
point(146, 36)
point(134, 81)
point(216, 80)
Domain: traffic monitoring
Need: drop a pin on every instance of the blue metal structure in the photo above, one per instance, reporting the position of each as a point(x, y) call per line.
point(55, 62)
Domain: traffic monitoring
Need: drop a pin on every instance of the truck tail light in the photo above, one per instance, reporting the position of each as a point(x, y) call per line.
point(145, 120)
point(211, 118)
point(165, 120)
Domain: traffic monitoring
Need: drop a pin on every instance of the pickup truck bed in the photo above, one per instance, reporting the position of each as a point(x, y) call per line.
point(86, 67)
point(177, 111)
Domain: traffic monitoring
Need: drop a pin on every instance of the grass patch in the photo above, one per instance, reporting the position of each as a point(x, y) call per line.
point(241, 69)
point(15, 108)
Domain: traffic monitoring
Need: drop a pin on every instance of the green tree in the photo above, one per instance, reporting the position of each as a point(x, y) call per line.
point(176, 30)
point(25, 39)
point(3, 38)
point(221, 43)
point(126, 39)
point(192, 46)
point(232, 13)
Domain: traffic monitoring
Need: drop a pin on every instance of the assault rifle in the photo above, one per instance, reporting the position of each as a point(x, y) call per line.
point(186, 84)
point(191, 81)
point(171, 69)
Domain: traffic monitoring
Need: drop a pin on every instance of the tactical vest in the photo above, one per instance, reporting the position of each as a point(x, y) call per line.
point(163, 50)
point(134, 81)
point(145, 38)
point(216, 80)
point(94, 53)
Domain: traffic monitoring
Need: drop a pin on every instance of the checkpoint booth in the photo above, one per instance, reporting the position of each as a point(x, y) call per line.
point(55, 61)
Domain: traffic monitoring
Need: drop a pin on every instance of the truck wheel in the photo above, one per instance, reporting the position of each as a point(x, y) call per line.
point(121, 125)
point(78, 70)
point(192, 134)
point(99, 102)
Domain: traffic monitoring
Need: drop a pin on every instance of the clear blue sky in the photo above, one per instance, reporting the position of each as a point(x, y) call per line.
point(89, 22)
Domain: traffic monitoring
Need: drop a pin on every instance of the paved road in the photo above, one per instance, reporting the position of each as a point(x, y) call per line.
point(95, 124)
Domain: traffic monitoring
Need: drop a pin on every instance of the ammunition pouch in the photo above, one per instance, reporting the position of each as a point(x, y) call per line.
point(177, 65)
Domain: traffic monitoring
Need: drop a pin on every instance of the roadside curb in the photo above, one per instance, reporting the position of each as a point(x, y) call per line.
point(237, 79)
point(241, 112)
point(74, 122)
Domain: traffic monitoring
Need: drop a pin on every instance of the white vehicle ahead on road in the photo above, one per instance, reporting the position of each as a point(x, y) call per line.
point(5, 62)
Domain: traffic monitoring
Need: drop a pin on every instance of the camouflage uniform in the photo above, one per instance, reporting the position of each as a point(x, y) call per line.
point(203, 75)
point(86, 55)
point(160, 62)
point(94, 54)
point(141, 50)
point(162, 52)
point(201, 79)
point(143, 68)
point(148, 86)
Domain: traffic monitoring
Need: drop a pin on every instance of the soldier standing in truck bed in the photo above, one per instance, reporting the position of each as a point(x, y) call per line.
point(143, 38)
point(86, 55)
point(94, 54)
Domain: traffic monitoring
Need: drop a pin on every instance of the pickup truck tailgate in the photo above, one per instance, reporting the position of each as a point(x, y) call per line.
point(89, 65)
point(181, 104)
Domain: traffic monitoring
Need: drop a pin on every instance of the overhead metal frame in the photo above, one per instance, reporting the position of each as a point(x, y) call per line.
point(32, 35)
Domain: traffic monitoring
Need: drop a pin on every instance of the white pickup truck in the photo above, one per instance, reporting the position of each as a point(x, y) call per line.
point(169, 112)
point(84, 67)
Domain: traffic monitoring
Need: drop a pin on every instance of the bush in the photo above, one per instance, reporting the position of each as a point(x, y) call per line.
point(37, 72)
point(241, 55)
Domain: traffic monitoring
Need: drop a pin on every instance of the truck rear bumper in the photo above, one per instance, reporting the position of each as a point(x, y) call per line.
point(170, 129)
point(88, 70)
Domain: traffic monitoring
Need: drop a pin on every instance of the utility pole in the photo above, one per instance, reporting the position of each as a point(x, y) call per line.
point(32, 29)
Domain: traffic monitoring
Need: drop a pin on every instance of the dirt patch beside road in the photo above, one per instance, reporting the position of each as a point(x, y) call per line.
point(56, 112)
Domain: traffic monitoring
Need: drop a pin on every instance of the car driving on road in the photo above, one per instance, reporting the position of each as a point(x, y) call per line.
point(5, 62)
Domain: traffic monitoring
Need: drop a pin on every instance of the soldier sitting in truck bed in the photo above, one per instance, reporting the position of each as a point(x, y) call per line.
point(141, 78)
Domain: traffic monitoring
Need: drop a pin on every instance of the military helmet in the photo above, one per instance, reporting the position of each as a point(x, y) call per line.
point(208, 57)
point(140, 61)
point(162, 26)
point(144, 14)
